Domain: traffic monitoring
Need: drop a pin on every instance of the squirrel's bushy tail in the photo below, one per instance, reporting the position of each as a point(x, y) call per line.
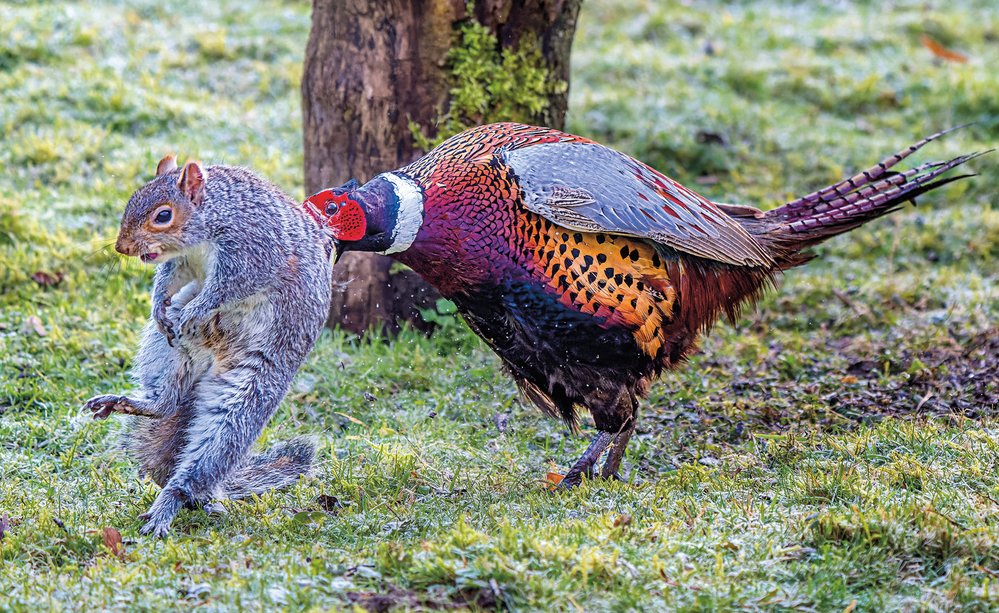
point(157, 444)
point(278, 467)
point(790, 229)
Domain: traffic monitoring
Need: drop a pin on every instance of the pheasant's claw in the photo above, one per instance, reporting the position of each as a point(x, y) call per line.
point(584, 465)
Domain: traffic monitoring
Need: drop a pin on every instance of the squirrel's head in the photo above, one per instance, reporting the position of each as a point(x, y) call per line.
point(160, 220)
point(383, 215)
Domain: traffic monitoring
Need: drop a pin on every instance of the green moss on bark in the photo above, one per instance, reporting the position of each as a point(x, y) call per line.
point(489, 83)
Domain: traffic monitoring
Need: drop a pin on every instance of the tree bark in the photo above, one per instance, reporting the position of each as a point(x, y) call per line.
point(371, 67)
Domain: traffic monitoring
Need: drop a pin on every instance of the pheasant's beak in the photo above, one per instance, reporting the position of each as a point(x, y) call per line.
point(337, 251)
point(334, 210)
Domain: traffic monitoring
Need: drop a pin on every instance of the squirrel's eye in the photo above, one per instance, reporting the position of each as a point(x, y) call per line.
point(332, 207)
point(163, 216)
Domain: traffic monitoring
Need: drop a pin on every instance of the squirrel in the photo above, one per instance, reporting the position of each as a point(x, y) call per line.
point(240, 293)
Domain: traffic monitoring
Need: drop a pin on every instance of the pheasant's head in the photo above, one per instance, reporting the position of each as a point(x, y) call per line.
point(383, 215)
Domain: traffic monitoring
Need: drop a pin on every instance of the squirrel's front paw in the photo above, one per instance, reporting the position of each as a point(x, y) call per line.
point(103, 406)
point(163, 320)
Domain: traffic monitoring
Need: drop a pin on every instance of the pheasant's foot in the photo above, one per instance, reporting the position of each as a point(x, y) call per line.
point(584, 465)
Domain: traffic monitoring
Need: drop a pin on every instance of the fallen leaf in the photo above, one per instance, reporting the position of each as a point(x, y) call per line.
point(848, 380)
point(942, 52)
point(35, 324)
point(671, 583)
point(987, 570)
point(350, 418)
point(329, 504)
point(622, 520)
point(112, 540)
point(552, 480)
point(668, 581)
point(46, 279)
point(850, 607)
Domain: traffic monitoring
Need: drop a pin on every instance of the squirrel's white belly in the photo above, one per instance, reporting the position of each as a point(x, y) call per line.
point(229, 334)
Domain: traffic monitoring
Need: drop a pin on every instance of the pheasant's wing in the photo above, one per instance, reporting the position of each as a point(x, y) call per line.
point(588, 187)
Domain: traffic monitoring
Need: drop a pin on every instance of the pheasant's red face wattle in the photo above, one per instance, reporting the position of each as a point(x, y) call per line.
point(338, 212)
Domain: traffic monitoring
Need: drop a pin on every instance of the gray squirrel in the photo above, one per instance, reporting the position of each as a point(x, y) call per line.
point(240, 293)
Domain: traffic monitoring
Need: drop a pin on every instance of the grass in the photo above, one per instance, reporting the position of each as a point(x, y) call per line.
point(836, 448)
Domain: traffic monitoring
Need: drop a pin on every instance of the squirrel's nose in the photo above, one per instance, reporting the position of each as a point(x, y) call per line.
point(122, 246)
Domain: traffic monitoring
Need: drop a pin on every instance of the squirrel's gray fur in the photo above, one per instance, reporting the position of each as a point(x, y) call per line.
point(237, 305)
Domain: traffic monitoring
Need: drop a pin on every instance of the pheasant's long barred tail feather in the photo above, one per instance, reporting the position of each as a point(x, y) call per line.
point(848, 185)
point(839, 208)
point(881, 197)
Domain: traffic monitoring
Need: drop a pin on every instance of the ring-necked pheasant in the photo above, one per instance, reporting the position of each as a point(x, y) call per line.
point(588, 272)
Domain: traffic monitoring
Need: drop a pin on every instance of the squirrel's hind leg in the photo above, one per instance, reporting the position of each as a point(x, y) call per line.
point(229, 412)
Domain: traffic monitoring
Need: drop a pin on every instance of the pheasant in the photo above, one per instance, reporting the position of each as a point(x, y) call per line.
point(588, 272)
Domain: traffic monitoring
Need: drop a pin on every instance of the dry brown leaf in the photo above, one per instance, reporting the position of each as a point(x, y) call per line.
point(112, 540)
point(622, 520)
point(942, 52)
point(848, 380)
point(329, 504)
point(46, 279)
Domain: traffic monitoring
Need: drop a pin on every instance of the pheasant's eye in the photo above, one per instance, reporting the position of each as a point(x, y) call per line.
point(332, 207)
point(163, 216)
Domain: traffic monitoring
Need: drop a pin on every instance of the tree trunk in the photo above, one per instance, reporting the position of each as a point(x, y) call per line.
point(371, 68)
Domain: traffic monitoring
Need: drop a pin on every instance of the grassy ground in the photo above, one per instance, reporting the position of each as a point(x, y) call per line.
point(837, 448)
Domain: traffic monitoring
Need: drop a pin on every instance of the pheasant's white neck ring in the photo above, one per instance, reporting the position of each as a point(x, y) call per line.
point(410, 215)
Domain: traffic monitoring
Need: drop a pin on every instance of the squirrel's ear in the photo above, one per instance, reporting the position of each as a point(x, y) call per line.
point(167, 164)
point(192, 182)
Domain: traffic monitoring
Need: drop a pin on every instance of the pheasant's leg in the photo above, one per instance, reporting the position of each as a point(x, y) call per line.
point(584, 465)
point(616, 453)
